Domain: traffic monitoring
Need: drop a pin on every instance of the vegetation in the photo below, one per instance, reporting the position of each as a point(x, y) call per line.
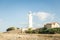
point(39, 30)
point(44, 31)
point(12, 28)
point(29, 30)
point(51, 31)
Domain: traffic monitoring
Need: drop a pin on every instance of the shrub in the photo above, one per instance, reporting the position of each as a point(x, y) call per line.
point(11, 28)
point(50, 31)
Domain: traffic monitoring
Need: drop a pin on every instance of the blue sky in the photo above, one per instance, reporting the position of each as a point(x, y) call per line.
point(14, 12)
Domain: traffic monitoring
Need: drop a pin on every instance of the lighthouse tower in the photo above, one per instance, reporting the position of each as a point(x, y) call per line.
point(30, 24)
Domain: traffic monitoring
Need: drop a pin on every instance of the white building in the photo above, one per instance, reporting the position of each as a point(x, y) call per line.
point(52, 25)
point(30, 24)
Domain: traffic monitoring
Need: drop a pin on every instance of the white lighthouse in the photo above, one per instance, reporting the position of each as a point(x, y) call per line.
point(30, 24)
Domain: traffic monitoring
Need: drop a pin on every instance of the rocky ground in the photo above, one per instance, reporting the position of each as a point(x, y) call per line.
point(15, 35)
point(10, 36)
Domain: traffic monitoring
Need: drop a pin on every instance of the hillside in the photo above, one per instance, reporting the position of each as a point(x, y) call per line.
point(18, 36)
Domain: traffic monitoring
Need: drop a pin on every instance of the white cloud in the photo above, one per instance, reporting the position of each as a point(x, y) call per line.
point(44, 16)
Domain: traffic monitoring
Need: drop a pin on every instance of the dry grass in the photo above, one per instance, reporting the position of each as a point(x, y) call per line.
point(10, 36)
point(15, 35)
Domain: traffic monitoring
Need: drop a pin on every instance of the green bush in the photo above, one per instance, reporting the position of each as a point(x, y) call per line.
point(44, 31)
point(57, 30)
point(11, 28)
point(47, 31)
point(50, 31)
point(29, 30)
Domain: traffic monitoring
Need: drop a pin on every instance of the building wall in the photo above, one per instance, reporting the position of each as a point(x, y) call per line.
point(47, 25)
point(30, 21)
point(52, 25)
point(55, 25)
